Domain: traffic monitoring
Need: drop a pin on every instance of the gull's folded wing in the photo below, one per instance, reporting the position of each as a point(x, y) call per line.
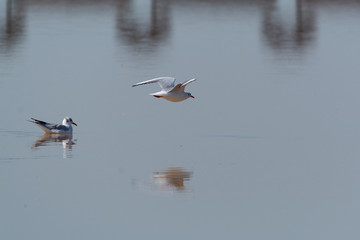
point(48, 127)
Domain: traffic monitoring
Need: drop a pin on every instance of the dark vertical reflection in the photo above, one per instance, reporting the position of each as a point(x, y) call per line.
point(295, 34)
point(12, 28)
point(305, 24)
point(143, 32)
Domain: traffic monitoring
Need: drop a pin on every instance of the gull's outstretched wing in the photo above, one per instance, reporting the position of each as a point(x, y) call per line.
point(180, 87)
point(188, 81)
point(166, 83)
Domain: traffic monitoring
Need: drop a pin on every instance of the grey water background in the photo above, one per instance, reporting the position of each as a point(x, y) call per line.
point(268, 149)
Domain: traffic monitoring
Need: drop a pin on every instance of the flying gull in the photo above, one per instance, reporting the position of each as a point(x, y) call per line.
point(169, 91)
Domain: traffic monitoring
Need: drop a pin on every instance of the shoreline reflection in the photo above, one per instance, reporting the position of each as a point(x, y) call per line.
point(280, 33)
point(12, 26)
point(148, 24)
point(137, 30)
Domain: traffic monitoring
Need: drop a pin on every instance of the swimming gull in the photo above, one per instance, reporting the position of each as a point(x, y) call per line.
point(65, 127)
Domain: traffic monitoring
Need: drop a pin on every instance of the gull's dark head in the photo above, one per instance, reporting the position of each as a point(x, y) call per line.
point(68, 121)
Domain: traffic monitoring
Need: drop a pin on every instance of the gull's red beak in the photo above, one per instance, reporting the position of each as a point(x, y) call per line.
point(192, 96)
point(74, 123)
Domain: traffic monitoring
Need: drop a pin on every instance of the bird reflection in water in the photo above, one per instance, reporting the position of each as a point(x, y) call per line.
point(172, 178)
point(48, 138)
point(170, 181)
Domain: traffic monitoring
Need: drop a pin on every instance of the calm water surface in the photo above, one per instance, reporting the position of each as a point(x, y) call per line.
point(268, 149)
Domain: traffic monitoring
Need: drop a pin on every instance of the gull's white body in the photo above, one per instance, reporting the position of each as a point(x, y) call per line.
point(169, 91)
point(65, 127)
